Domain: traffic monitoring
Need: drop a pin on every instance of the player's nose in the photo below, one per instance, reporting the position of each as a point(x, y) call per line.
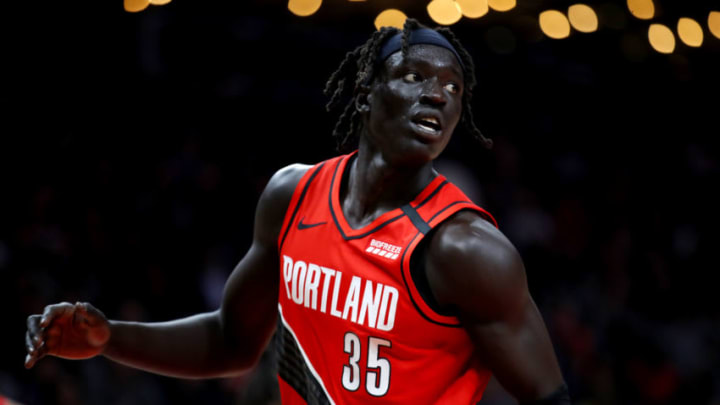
point(433, 94)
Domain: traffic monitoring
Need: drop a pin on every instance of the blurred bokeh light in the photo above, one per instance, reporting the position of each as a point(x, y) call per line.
point(690, 32)
point(133, 6)
point(714, 23)
point(444, 12)
point(473, 8)
point(502, 5)
point(554, 24)
point(583, 18)
point(390, 18)
point(304, 8)
point(642, 9)
point(661, 38)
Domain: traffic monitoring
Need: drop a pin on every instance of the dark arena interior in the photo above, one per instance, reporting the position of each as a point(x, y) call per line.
point(135, 145)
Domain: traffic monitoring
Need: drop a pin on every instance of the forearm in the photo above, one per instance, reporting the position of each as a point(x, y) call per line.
point(193, 347)
point(520, 355)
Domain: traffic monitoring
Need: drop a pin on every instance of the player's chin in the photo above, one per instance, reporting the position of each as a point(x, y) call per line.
point(418, 154)
point(429, 148)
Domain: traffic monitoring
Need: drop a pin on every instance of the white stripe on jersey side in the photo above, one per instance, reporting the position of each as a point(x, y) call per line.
point(307, 361)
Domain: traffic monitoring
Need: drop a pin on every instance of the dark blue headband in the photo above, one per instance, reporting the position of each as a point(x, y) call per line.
point(418, 36)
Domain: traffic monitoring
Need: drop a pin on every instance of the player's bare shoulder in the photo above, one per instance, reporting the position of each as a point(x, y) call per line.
point(275, 200)
point(282, 184)
point(472, 265)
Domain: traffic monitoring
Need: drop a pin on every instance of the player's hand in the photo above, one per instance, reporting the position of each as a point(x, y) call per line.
point(71, 331)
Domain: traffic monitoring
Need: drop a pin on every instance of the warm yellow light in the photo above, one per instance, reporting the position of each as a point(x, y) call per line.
point(304, 8)
point(661, 38)
point(642, 9)
point(160, 2)
point(714, 23)
point(583, 18)
point(444, 12)
point(473, 8)
point(502, 5)
point(390, 18)
point(554, 24)
point(690, 32)
point(133, 6)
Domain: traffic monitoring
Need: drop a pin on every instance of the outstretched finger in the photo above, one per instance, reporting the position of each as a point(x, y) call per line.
point(29, 344)
point(29, 360)
point(53, 311)
point(37, 354)
point(35, 334)
point(33, 324)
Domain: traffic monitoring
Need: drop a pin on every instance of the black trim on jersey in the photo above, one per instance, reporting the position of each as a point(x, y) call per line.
point(418, 274)
point(447, 207)
point(407, 286)
point(293, 370)
point(297, 206)
point(416, 219)
point(337, 223)
point(437, 189)
point(482, 214)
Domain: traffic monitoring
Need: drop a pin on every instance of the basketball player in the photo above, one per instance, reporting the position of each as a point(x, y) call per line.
point(382, 281)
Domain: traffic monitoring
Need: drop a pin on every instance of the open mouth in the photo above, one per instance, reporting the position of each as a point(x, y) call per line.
point(428, 124)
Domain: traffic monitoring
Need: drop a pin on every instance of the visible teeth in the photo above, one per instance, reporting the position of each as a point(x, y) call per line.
point(428, 124)
point(430, 120)
point(427, 127)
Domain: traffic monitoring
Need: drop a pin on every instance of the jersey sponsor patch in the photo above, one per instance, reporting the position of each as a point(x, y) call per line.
point(383, 249)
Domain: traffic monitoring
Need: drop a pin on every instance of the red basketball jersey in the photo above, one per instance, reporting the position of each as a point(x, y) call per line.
point(353, 327)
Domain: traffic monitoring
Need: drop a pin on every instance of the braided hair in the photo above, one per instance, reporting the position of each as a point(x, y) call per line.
point(359, 68)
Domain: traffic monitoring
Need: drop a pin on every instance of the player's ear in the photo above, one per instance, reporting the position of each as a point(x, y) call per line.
point(363, 98)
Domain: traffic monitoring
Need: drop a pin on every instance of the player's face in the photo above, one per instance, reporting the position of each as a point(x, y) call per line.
point(415, 104)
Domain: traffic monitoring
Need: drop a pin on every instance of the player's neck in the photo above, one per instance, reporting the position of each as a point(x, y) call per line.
point(372, 186)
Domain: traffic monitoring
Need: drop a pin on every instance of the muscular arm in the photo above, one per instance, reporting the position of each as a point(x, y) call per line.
point(224, 342)
point(474, 268)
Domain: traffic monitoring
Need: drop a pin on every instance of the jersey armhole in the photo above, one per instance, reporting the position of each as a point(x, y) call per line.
point(413, 268)
point(419, 278)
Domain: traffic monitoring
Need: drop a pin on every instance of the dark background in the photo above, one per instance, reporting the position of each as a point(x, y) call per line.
point(134, 146)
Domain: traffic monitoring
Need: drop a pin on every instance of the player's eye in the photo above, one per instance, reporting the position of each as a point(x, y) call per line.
point(412, 77)
point(452, 88)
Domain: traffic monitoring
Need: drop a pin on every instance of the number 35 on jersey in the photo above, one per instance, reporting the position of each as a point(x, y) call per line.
point(376, 375)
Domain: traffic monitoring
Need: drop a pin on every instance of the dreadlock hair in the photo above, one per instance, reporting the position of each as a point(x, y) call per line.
point(359, 68)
